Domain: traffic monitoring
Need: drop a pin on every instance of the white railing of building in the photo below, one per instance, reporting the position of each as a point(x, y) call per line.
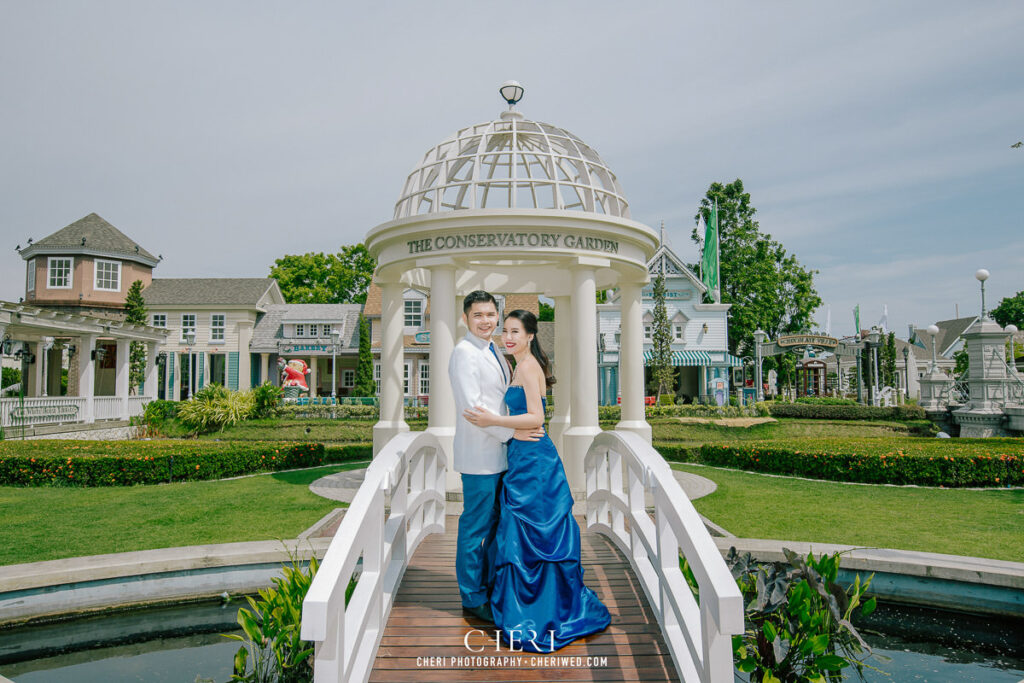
point(620, 468)
point(137, 405)
point(16, 412)
point(410, 470)
point(107, 407)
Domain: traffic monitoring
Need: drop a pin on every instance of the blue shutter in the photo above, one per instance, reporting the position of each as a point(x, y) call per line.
point(233, 370)
point(170, 376)
point(201, 362)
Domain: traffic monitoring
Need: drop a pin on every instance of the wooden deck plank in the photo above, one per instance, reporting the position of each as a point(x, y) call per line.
point(427, 632)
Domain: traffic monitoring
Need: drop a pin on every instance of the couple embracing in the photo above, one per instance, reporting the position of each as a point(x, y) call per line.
point(518, 553)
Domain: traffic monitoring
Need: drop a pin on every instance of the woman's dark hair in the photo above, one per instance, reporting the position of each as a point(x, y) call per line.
point(529, 321)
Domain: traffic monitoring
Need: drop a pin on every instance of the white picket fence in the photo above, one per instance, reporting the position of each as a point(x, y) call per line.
point(17, 412)
point(620, 469)
point(410, 472)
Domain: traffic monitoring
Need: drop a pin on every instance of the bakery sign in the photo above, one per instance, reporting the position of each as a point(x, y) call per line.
point(513, 240)
point(821, 340)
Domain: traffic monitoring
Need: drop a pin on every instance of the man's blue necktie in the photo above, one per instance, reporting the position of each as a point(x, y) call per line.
point(501, 365)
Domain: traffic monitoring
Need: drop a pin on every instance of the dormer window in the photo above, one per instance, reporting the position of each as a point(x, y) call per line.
point(414, 313)
point(300, 330)
point(59, 272)
point(108, 276)
point(31, 284)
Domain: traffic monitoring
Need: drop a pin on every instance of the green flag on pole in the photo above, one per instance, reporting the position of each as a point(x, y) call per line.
point(856, 320)
point(709, 262)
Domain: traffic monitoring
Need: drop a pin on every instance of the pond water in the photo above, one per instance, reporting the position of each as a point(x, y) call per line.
point(177, 644)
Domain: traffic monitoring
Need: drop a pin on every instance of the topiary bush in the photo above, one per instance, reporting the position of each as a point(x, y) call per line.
point(827, 411)
point(923, 462)
point(125, 463)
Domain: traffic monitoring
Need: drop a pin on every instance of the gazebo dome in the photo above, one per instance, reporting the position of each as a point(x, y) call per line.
point(512, 163)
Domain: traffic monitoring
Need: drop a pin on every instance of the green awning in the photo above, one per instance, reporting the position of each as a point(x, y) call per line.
point(683, 358)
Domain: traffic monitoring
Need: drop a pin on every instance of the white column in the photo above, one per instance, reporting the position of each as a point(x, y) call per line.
point(86, 374)
point(244, 359)
point(584, 426)
point(443, 316)
point(392, 415)
point(38, 378)
point(561, 418)
point(264, 367)
point(152, 375)
point(123, 375)
point(314, 376)
point(631, 361)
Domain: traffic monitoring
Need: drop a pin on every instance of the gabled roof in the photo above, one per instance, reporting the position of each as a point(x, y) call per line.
point(673, 265)
point(209, 291)
point(90, 235)
point(267, 332)
point(950, 331)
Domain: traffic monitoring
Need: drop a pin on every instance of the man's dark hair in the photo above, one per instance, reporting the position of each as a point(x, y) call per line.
point(478, 296)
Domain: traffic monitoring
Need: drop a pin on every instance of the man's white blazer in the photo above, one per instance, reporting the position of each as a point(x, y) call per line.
point(479, 379)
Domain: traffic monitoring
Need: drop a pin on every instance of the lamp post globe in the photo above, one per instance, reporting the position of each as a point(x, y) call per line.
point(933, 330)
point(511, 92)
point(981, 276)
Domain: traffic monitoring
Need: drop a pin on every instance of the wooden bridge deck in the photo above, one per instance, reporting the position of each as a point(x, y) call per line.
point(426, 632)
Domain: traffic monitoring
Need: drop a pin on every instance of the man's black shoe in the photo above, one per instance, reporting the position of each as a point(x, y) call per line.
point(481, 611)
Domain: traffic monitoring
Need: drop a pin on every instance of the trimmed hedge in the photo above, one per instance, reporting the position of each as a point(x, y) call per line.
point(824, 411)
point(609, 413)
point(126, 463)
point(924, 462)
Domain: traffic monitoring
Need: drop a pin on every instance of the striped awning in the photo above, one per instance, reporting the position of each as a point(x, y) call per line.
point(683, 358)
point(734, 361)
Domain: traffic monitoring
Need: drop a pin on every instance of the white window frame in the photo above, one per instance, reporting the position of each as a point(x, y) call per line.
point(416, 315)
point(159, 320)
point(325, 330)
point(31, 276)
point(96, 275)
point(185, 328)
point(648, 332)
point(376, 375)
point(49, 271)
point(300, 329)
point(407, 378)
point(424, 379)
point(222, 328)
point(679, 331)
point(348, 378)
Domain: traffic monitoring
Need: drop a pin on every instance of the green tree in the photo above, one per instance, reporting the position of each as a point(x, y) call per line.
point(318, 278)
point(547, 313)
point(767, 286)
point(888, 359)
point(662, 371)
point(962, 361)
point(11, 376)
point(364, 385)
point(1010, 311)
point(135, 313)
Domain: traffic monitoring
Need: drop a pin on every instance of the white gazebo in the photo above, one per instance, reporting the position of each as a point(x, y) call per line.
point(515, 206)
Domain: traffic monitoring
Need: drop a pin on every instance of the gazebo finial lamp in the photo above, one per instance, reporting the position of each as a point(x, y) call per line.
point(514, 206)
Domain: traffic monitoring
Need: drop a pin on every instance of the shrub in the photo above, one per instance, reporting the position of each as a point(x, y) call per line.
point(924, 462)
point(825, 411)
point(214, 407)
point(826, 401)
point(613, 413)
point(125, 463)
point(266, 400)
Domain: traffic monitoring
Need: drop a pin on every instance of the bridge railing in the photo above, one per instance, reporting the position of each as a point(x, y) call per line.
point(620, 469)
point(410, 472)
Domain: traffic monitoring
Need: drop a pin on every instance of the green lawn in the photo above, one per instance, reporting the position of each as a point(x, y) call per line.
point(50, 523)
point(953, 521)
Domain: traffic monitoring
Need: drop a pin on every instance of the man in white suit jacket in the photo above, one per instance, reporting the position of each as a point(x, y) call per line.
point(479, 375)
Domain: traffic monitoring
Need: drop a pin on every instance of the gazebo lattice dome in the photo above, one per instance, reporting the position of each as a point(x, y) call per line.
point(512, 163)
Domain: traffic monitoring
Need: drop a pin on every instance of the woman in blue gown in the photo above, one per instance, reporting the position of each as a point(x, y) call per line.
point(539, 600)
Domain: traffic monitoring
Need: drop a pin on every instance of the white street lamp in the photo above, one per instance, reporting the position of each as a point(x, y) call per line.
point(981, 276)
point(190, 341)
point(1011, 330)
point(335, 337)
point(511, 92)
point(933, 330)
point(759, 338)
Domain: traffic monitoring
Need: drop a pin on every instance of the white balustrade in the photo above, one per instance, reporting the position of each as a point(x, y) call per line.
point(620, 469)
point(17, 412)
point(137, 405)
point(410, 470)
point(107, 407)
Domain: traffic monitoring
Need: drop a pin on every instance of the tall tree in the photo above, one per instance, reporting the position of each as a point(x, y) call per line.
point(318, 278)
point(1010, 311)
point(546, 312)
point(766, 285)
point(364, 385)
point(135, 313)
point(662, 371)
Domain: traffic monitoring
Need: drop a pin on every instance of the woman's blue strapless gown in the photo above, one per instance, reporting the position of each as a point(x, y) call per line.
point(538, 586)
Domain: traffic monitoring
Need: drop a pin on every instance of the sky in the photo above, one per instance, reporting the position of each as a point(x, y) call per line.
point(874, 137)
